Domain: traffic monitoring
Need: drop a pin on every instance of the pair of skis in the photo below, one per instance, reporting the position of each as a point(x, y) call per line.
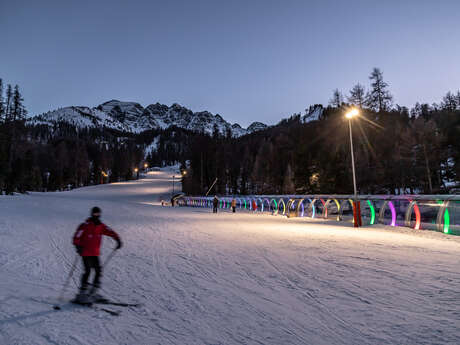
point(96, 305)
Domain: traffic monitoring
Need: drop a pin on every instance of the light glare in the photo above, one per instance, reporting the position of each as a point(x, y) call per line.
point(352, 113)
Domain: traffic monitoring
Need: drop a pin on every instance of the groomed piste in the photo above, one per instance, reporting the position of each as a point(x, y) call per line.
point(203, 278)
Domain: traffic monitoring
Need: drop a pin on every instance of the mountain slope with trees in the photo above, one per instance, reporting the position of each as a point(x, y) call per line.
point(397, 150)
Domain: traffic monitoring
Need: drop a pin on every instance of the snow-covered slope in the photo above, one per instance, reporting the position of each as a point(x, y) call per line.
point(314, 113)
point(81, 117)
point(221, 278)
point(132, 117)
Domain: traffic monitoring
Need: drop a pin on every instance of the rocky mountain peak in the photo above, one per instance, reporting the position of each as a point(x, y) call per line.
point(256, 126)
point(133, 117)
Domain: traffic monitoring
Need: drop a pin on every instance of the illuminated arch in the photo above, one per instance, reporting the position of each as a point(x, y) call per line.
point(336, 203)
point(371, 206)
point(291, 206)
point(393, 213)
point(446, 224)
point(268, 204)
point(413, 207)
point(281, 201)
point(301, 207)
point(313, 207)
point(274, 209)
point(324, 215)
point(300, 204)
point(443, 219)
point(417, 217)
point(261, 204)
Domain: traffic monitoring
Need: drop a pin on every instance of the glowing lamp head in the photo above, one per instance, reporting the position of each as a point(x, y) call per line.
point(136, 169)
point(352, 113)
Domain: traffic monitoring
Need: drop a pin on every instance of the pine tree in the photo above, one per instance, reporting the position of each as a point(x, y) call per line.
point(15, 114)
point(18, 111)
point(378, 98)
point(288, 182)
point(8, 100)
point(2, 106)
point(3, 134)
point(337, 99)
point(357, 95)
point(449, 102)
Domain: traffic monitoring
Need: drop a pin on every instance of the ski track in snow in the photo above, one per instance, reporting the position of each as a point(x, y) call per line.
point(222, 279)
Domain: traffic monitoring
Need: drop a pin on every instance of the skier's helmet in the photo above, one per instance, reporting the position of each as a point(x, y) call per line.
point(95, 211)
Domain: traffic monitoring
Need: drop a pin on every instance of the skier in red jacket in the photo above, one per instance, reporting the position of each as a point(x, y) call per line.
point(87, 241)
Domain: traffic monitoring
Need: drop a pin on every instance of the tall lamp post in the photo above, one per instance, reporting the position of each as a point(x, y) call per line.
point(356, 209)
point(174, 176)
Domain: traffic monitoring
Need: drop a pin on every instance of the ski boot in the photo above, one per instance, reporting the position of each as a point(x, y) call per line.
point(95, 296)
point(82, 297)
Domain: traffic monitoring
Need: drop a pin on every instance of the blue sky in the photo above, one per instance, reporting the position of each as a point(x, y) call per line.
point(246, 60)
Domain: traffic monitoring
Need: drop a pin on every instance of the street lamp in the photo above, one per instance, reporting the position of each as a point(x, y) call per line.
point(146, 165)
point(136, 170)
point(103, 174)
point(350, 115)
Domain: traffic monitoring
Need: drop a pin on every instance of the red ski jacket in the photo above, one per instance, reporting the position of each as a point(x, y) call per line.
point(89, 236)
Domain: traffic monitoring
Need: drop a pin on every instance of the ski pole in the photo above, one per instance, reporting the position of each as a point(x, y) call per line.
point(109, 258)
point(74, 265)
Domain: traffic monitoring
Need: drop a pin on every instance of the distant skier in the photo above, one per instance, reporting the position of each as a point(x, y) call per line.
point(233, 205)
point(87, 241)
point(215, 202)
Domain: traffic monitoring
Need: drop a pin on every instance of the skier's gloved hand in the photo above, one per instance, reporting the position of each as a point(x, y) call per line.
point(79, 249)
point(119, 244)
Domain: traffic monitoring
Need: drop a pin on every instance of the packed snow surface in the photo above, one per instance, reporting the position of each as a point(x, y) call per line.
point(222, 279)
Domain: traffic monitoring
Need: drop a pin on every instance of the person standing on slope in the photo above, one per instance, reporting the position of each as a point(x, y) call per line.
point(233, 205)
point(87, 242)
point(215, 202)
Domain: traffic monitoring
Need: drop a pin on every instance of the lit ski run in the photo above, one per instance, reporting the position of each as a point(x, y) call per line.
point(204, 278)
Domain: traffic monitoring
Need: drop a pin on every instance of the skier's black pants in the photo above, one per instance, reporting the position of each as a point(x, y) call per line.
point(91, 262)
point(233, 208)
point(214, 210)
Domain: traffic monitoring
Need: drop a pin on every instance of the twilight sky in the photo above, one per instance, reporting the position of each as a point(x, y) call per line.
point(249, 60)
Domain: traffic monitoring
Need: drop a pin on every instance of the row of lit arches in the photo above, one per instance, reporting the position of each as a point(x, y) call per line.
point(437, 214)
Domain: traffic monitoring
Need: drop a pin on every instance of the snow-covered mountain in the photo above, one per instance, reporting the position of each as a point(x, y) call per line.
point(133, 117)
